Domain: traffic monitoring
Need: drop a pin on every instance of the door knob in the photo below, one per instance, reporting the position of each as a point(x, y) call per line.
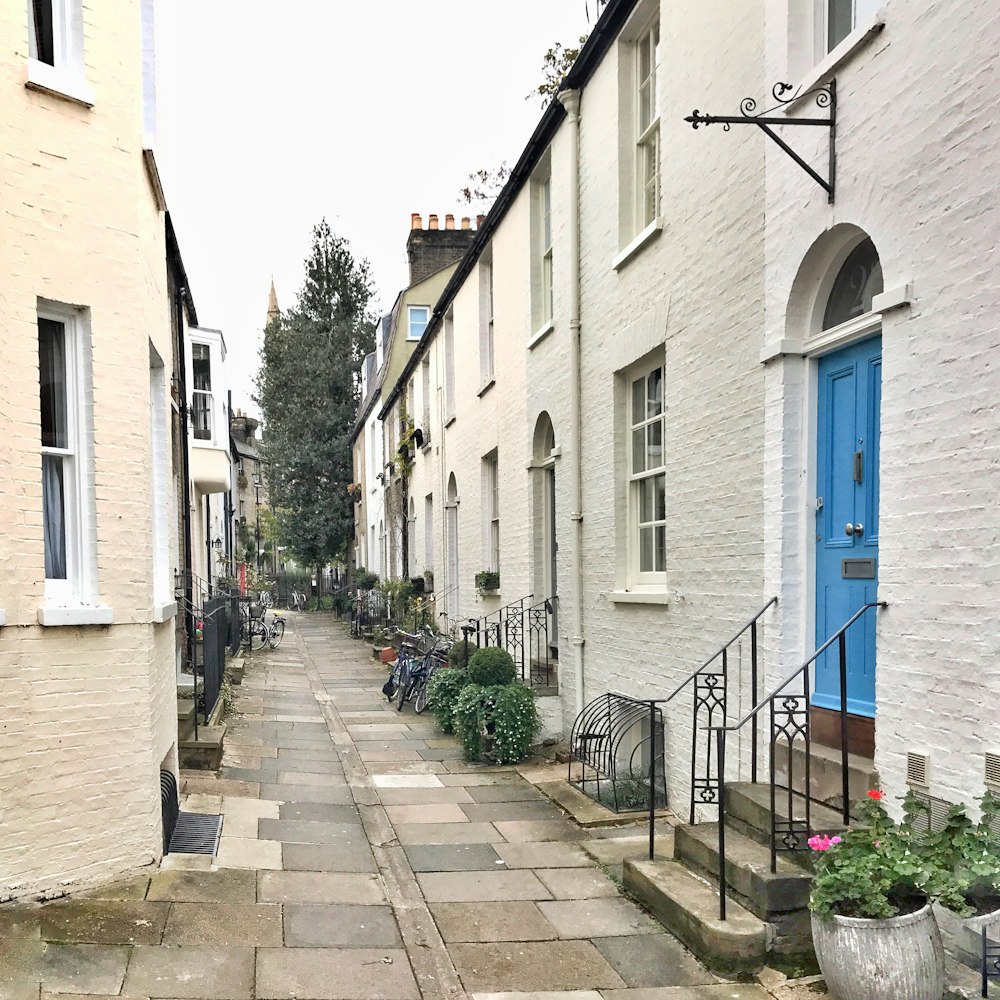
point(854, 529)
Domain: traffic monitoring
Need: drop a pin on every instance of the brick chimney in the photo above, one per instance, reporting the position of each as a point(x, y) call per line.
point(428, 250)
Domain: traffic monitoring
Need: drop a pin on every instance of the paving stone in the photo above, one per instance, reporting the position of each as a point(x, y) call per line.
point(204, 887)
point(187, 862)
point(334, 974)
point(720, 991)
point(499, 921)
point(447, 812)
point(543, 995)
point(528, 831)
point(410, 767)
point(378, 755)
point(325, 925)
point(320, 887)
point(131, 888)
point(532, 965)
point(447, 833)
point(239, 852)
point(103, 921)
point(548, 854)
point(406, 781)
point(222, 924)
point(480, 780)
point(233, 805)
point(442, 754)
point(241, 826)
point(83, 968)
point(311, 832)
point(315, 756)
point(421, 796)
point(506, 792)
point(577, 883)
point(21, 945)
point(452, 857)
point(321, 812)
point(652, 960)
point(310, 778)
point(590, 918)
point(200, 802)
point(20, 990)
point(308, 766)
point(203, 973)
point(221, 786)
point(490, 812)
point(355, 857)
point(303, 793)
point(470, 886)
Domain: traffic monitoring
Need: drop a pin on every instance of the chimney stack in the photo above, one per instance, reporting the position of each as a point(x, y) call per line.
point(466, 223)
point(449, 222)
point(432, 222)
point(428, 250)
point(480, 219)
point(415, 221)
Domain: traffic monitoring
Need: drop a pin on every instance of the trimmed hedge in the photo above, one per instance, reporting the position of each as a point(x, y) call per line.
point(491, 667)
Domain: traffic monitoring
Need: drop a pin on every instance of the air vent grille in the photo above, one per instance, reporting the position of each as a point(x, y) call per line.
point(993, 771)
point(196, 833)
point(917, 770)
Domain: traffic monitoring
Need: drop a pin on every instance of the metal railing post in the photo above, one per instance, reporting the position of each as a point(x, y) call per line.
point(753, 689)
point(652, 777)
point(845, 776)
point(720, 754)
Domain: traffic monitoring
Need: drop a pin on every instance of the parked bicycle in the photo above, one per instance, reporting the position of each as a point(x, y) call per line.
point(296, 601)
point(256, 632)
point(419, 657)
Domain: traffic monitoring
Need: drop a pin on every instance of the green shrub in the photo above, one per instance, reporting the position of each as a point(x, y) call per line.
point(491, 667)
point(470, 717)
point(515, 723)
point(456, 655)
point(443, 691)
point(364, 580)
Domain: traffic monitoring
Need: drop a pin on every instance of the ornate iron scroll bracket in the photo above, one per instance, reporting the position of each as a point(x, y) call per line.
point(824, 98)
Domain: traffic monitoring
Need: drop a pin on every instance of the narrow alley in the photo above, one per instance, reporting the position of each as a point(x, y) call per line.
point(359, 858)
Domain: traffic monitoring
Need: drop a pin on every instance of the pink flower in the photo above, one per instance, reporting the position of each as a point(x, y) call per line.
point(836, 840)
point(820, 843)
point(875, 795)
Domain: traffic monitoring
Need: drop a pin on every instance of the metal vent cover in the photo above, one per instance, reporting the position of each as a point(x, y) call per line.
point(992, 776)
point(196, 833)
point(917, 770)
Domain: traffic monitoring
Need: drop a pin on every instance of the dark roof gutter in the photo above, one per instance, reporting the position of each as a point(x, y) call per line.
point(605, 32)
point(174, 256)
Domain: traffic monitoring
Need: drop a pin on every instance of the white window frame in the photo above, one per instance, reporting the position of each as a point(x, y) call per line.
point(486, 338)
point(65, 74)
point(79, 588)
point(425, 393)
point(429, 532)
point(411, 540)
point(647, 136)
point(862, 12)
point(160, 472)
point(449, 366)
point(206, 397)
point(410, 313)
point(542, 289)
point(491, 511)
point(637, 577)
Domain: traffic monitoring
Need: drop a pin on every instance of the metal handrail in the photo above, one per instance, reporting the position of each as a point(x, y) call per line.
point(840, 637)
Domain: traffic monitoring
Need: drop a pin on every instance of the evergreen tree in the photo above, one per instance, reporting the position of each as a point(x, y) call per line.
point(308, 391)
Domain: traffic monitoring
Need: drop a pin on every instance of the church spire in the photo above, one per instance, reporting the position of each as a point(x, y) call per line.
point(273, 312)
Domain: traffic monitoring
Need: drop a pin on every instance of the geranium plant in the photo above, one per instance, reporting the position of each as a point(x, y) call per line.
point(876, 869)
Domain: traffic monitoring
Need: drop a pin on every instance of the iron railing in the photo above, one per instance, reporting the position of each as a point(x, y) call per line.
point(525, 631)
point(789, 724)
point(991, 961)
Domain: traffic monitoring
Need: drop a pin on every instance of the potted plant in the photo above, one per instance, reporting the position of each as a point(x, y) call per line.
point(874, 931)
point(487, 581)
point(967, 857)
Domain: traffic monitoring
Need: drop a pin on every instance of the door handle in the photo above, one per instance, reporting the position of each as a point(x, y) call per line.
point(854, 529)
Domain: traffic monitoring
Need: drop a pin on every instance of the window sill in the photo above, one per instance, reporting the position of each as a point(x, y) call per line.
point(832, 61)
point(486, 387)
point(425, 448)
point(639, 597)
point(646, 236)
point(450, 420)
point(60, 83)
point(164, 612)
point(539, 335)
point(99, 615)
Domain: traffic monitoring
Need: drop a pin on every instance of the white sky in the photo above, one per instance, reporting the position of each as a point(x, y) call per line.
point(273, 115)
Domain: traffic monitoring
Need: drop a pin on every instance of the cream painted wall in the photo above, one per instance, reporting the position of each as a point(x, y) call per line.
point(89, 711)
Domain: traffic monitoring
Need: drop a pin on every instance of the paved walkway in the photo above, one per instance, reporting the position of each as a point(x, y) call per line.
point(360, 858)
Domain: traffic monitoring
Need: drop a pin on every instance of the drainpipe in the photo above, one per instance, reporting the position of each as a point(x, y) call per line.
point(570, 100)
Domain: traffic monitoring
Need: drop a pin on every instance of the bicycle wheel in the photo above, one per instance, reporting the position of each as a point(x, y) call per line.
point(402, 687)
point(420, 698)
point(258, 634)
point(266, 599)
point(276, 632)
point(292, 601)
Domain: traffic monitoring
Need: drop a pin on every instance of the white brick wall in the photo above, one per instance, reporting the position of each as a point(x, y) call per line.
point(88, 712)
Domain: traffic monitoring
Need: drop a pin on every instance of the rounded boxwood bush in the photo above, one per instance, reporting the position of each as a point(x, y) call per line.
point(496, 724)
point(491, 667)
point(443, 691)
point(457, 656)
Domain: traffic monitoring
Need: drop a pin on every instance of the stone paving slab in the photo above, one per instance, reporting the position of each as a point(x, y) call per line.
point(303, 793)
point(321, 858)
point(447, 833)
point(500, 921)
point(446, 812)
point(320, 812)
point(204, 887)
point(320, 887)
point(532, 965)
point(577, 883)
point(220, 786)
point(506, 792)
point(310, 778)
point(528, 831)
point(453, 857)
point(334, 974)
point(547, 854)
point(243, 852)
point(490, 812)
point(721, 991)
point(326, 925)
point(422, 796)
point(233, 805)
point(83, 968)
point(329, 756)
point(592, 918)
point(221, 924)
point(481, 780)
point(385, 780)
point(660, 960)
point(472, 886)
point(103, 921)
point(132, 888)
point(545, 995)
point(311, 831)
point(205, 973)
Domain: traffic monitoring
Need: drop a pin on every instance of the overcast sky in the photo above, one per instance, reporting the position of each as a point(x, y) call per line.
point(274, 115)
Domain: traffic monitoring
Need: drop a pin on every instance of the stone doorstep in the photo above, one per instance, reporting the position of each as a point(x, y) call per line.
point(588, 813)
point(205, 752)
point(688, 907)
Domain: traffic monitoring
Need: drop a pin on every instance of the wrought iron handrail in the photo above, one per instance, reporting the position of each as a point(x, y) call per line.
point(795, 832)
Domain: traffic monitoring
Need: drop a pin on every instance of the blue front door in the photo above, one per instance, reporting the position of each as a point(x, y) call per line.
point(850, 396)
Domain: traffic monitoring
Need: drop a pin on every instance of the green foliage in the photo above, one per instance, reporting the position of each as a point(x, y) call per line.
point(490, 667)
point(457, 654)
point(469, 719)
point(876, 869)
point(496, 723)
point(307, 389)
point(364, 580)
point(443, 691)
point(487, 579)
point(399, 598)
point(483, 187)
point(556, 63)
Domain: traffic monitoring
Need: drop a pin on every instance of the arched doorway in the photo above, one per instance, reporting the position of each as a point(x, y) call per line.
point(847, 420)
point(452, 603)
point(546, 547)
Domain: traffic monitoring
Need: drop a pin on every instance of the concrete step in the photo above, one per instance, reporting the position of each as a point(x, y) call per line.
point(748, 869)
point(185, 718)
point(205, 752)
point(748, 810)
point(688, 906)
point(825, 779)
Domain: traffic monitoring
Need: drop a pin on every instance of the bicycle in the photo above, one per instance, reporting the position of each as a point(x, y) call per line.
point(296, 601)
point(436, 656)
point(256, 632)
point(266, 599)
point(414, 673)
point(398, 682)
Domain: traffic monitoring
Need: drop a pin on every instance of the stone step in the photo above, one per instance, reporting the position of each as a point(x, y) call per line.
point(825, 779)
point(688, 906)
point(205, 752)
point(748, 870)
point(748, 810)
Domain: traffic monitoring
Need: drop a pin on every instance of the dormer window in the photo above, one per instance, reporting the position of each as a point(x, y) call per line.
point(201, 393)
point(418, 317)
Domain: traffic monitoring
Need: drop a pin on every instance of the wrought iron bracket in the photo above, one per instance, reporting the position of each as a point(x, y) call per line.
point(784, 94)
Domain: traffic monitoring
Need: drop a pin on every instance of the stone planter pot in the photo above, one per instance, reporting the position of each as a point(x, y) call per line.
point(963, 936)
point(901, 958)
